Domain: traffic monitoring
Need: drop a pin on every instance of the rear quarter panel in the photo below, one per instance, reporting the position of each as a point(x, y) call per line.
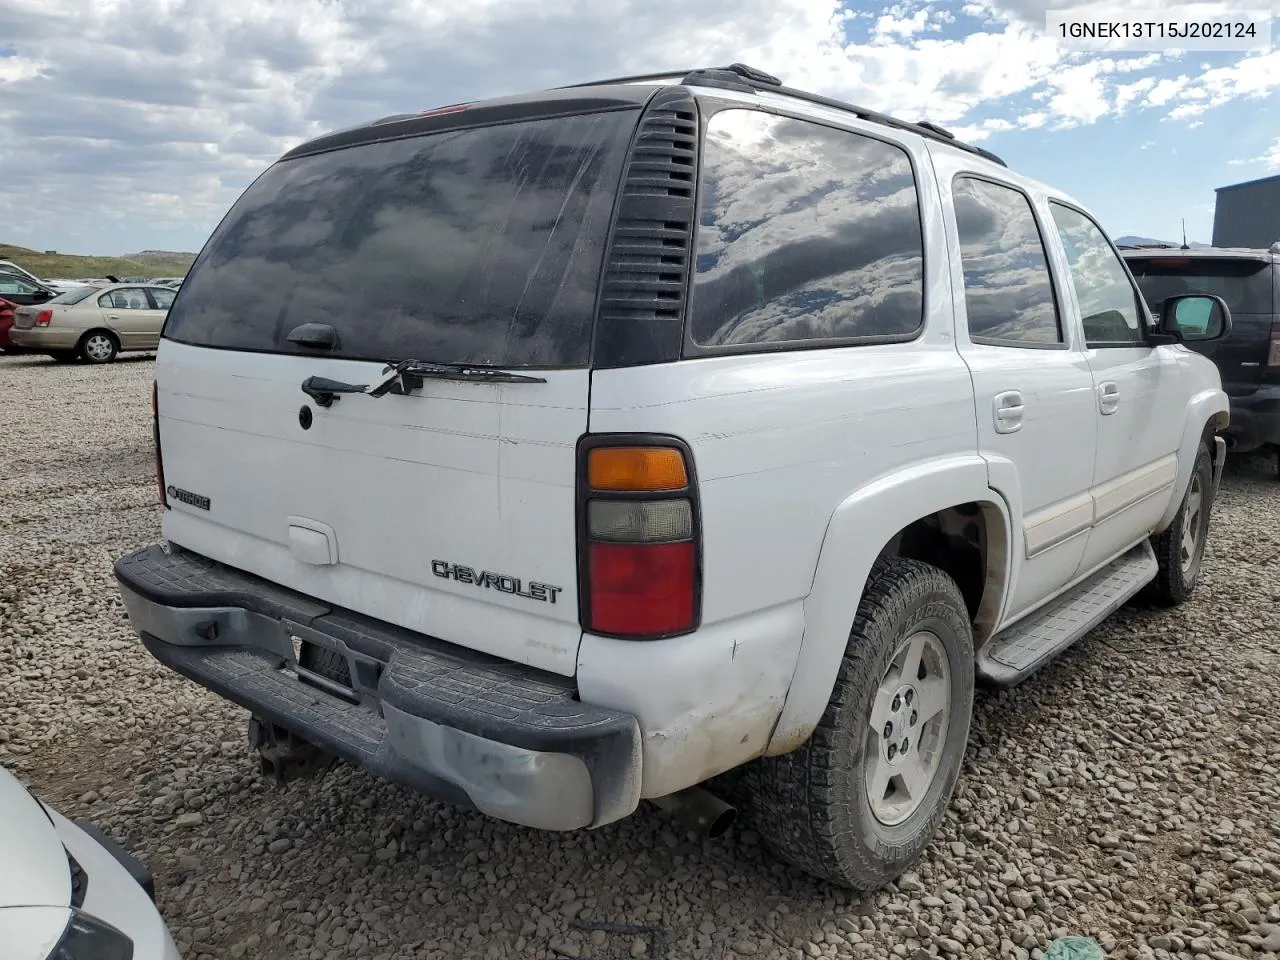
point(780, 440)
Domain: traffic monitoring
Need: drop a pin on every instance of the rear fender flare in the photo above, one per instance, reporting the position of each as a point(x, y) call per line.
point(859, 528)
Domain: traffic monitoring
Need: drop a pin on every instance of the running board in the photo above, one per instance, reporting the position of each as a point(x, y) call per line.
point(1014, 654)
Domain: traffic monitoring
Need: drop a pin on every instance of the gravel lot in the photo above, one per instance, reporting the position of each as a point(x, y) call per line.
point(1130, 792)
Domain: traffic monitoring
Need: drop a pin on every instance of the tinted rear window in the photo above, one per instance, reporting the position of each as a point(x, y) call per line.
point(1245, 285)
point(477, 246)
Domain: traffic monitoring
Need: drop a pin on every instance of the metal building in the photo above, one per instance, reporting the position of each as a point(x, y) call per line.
point(1248, 214)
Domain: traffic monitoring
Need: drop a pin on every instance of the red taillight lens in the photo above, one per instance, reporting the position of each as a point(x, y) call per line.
point(155, 436)
point(1273, 354)
point(640, 569)
point(44, 318)
point(642, 590)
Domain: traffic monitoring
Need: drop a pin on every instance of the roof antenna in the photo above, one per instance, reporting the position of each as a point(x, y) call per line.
point(1184, 234)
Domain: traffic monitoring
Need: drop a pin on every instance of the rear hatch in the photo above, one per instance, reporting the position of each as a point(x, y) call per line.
point(449, 509)
point(1249, 288)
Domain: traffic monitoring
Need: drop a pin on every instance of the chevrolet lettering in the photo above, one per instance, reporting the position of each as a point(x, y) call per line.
point(495, 581)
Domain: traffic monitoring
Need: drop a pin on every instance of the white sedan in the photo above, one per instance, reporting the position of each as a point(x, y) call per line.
point(69, 893)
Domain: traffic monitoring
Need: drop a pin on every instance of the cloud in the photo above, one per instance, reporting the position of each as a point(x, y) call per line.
point(169, 108)
point(1270, 159)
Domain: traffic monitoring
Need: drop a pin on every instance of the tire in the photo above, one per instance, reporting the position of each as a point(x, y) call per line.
point(65, 356)
point(98, 346)
point(813, 807)
point(1180, 548)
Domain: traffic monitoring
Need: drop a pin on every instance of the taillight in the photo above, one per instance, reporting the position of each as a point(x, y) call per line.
point(639, 544)
point(155, 436)
point(1273, 354)
point(44, 318)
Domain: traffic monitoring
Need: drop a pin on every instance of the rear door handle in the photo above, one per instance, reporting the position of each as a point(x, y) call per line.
point(1007, 411)
point(1108, 397)
point(112, 316)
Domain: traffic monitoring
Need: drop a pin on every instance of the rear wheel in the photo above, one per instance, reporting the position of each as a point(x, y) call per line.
point(859, 802)
point(1180, 548)
point(99, 346)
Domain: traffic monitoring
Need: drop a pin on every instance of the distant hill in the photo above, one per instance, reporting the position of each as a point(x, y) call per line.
point(1131, 241)
point(148, 263)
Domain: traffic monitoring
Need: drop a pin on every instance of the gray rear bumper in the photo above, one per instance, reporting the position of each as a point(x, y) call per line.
point(483, 733)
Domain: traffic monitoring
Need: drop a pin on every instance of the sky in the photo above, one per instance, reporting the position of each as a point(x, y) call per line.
point(134, 124)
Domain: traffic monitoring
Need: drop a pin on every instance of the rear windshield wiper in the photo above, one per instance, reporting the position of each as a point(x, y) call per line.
point(408, 375)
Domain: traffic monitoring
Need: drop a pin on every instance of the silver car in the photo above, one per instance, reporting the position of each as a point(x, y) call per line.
point(67, 892)
point(94, 323)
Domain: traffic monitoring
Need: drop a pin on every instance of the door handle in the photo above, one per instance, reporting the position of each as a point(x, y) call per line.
point(1007, 410)
point(112, 316)
point(1108, 397)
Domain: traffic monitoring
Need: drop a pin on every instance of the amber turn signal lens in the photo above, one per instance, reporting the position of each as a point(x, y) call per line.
point(636, 469)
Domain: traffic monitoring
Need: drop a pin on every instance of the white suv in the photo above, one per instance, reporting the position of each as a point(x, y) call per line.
point(562, 451)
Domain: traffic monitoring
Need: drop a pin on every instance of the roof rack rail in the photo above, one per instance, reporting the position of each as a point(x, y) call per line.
point(634, 78)
point(740, 76)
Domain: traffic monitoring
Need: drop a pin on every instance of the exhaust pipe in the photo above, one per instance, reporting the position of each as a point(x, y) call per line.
point(700, 811)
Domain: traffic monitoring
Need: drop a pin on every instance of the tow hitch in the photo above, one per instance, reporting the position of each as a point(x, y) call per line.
point(285, 756)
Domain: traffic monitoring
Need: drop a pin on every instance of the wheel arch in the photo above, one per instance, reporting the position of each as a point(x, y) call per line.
point(923, 512)
point(99, 328)
point(1208, 412)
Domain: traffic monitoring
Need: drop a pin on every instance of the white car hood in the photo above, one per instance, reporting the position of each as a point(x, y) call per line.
point(33, 862)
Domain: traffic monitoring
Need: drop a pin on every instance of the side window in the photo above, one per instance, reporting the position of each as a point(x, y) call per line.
point(1008, 291)
point(805, 234)
point(129, 298)
point(162, 297)
point(15, 286)
point(1109, 303)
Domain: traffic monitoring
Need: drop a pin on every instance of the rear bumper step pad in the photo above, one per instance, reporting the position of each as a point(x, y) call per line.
point(474, 730)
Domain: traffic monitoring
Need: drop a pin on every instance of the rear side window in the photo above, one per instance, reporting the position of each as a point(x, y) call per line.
point(478, 246)
point(1008, 291)
point(1245, 285)
point(10, 284)
point(129, 298)
point(806, 234)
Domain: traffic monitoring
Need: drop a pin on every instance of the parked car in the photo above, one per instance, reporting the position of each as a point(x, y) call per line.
point(68, 892)
point(1249, 357)
point(22, 291)
point(6, 321)
point(9, 267)
point(94, 323)
point(593, 443)
point(63, 285)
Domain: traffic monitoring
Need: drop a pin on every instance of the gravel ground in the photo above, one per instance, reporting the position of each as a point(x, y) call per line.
point(1130, 792)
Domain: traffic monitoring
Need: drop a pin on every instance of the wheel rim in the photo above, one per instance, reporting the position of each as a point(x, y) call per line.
point(911, 708)
point(98, 347)
point(1191, 524)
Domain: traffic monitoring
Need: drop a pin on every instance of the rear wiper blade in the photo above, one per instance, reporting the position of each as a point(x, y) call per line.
point(408, 375)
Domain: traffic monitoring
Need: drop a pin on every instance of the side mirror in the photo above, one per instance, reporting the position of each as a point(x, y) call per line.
point(1195, 317)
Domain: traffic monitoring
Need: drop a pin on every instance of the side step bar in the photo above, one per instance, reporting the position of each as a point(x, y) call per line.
point(1014, 654)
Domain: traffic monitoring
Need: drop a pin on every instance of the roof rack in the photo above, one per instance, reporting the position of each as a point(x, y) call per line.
point(739, 76)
